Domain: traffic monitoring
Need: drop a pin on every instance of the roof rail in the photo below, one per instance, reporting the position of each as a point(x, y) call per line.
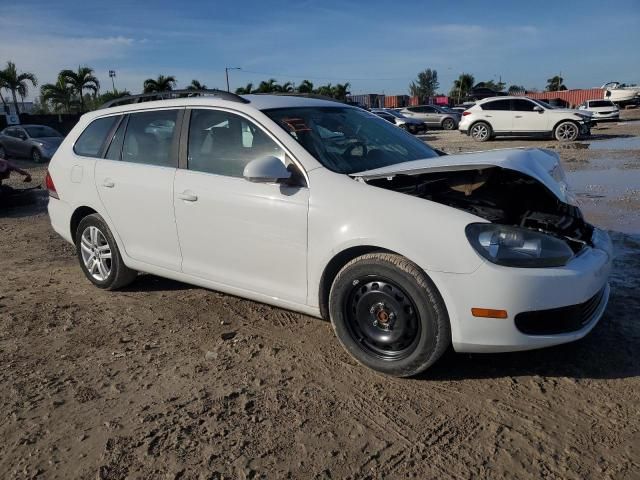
point(169, 94)
point(306, 95)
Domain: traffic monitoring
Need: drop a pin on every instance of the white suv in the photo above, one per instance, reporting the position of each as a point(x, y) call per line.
point(326, 209)
point(522, 116)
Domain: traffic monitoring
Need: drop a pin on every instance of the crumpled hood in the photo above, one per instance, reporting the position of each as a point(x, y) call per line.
point(540, 164)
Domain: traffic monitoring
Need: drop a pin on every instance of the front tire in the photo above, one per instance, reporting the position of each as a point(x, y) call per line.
point(388, 314)
point(448, 124)
point(481, 132)
point(36, 156)
point(99, 256)
point(566, 132)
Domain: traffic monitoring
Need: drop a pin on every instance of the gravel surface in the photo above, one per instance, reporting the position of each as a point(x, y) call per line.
point(166, 380)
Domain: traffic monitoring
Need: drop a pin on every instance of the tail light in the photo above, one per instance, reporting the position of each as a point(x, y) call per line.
point(51, 188)
point(465, 113)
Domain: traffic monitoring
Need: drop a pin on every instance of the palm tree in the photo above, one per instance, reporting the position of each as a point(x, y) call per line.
point(196, 85)
point(461, 86)
point(16, 82)
point(284, 88)
point(81, 80)
point(59, 95)
point(305, 87)
point(325, 90)
point(340, 91)
point(555, 84)
point(245, 90)
point(269, 86)
point(160, 84)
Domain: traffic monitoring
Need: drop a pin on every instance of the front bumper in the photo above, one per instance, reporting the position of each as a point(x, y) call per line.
point(521, 290)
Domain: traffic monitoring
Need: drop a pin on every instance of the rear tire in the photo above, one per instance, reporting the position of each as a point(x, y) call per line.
point(36, 156)
point(481, 131)
point(388, 314)
point(99, 256)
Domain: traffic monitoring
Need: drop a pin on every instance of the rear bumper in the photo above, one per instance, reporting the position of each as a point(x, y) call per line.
point(525, 290)
point(60, 215)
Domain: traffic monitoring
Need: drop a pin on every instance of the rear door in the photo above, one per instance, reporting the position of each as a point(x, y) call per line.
point(526, 119)
point(251, 236)
point(498, 114)
point(135, 185)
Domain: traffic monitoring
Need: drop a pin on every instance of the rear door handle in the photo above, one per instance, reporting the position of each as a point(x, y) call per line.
point(108, 183)
point(518, 116)
point(188, 196)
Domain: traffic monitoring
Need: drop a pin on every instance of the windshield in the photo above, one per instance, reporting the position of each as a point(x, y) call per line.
point(349, 140)
point(601, 103)
point(41, 131)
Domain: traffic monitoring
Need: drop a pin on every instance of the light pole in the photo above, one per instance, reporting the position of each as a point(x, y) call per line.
point(226, 73)
point(112, 75)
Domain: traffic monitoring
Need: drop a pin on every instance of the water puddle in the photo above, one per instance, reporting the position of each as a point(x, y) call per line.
point(609, 198)
point(619, 143)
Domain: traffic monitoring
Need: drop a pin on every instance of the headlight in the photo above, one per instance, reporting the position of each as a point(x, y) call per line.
point(40, 144)
point(517, 247)
point(584, 117)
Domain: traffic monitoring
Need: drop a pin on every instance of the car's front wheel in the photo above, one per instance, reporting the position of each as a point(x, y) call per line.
point(481, 132)
point(388, 314)
point(566, 132)
point(36, 156)
point(99, 256)
point(448, 124)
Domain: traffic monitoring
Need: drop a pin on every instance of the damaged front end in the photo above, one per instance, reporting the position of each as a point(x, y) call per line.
point(519, 189)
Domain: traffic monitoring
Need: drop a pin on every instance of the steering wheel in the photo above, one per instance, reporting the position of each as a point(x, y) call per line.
point(354, 145)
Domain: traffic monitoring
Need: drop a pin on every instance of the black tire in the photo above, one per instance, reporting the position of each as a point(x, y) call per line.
point(481, 131)
point(36, 156)
point(566, 131)
point(119, 274)
point(3, 152)
point(448, 124)
point(388, 314)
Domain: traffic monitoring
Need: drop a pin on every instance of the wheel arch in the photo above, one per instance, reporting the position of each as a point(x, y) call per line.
point(77, 216)
point(564, 120)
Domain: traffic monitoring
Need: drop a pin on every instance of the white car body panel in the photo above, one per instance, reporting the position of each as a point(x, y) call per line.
point(271, 244)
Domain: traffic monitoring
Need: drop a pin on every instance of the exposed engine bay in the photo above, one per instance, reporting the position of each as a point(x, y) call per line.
point(499, 195)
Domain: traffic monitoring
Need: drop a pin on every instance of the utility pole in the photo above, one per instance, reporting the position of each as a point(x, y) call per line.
point(112, 75)
point(226, 74)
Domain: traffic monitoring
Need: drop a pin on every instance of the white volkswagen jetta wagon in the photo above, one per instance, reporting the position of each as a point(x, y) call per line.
point(326, 209)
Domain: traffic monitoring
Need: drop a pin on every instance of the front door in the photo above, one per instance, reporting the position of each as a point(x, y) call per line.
point(135, 184)
point(526, 119)
point(251, 236)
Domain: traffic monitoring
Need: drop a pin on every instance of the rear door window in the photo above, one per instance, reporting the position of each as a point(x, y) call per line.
point(497, 105)
point(149, 138)
point(92, 140)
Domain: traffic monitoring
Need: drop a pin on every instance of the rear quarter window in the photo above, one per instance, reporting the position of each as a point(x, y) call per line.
point(92, 139)
point(497, 105)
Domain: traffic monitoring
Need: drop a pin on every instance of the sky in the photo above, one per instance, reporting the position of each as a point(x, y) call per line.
point(377, 46)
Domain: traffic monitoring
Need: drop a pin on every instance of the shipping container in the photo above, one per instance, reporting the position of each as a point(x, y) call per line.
point(572, 97)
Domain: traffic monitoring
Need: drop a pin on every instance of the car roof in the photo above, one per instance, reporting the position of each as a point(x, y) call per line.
point(503, 97)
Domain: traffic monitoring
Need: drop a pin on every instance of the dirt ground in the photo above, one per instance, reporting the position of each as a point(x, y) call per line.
point(165, 380)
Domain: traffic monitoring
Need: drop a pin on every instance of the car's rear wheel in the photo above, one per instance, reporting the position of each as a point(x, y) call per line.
point(36, 156)
point(481, 131)
point(388, 314)
point(99, 256)
point(448, 124)
point(566, 132)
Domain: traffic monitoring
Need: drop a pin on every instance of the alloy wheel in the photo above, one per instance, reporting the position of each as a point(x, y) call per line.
point(567, 132)
point(96, 253)
point(480, 131)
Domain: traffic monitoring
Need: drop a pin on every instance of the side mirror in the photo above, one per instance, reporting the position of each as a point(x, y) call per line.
point(266, 170)
point(538, 109)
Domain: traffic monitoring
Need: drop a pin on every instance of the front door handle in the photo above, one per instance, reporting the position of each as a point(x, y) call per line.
point(108, 183)
point(188, 196)
point(518, 116)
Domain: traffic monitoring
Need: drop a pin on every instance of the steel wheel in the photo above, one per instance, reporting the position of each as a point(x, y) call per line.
point(36, 156)
point(448, 124)
point(96, 253)
point(480, 132)
point(567, 132)
point(382, 319)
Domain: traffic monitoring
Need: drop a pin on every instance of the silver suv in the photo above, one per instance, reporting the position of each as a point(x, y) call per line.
point(433, 116)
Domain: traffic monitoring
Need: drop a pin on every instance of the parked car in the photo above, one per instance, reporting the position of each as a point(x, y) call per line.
point(412, 125)
point(37, 142)
point(479, 93)
point(433, 116)
point(522, 116)
point(318, 207)
point(602, 110)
